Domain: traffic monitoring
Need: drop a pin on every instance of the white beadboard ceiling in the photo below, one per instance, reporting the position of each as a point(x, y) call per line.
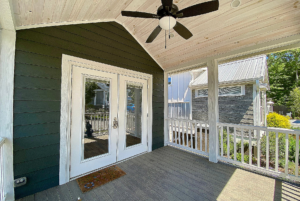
point(254, 22)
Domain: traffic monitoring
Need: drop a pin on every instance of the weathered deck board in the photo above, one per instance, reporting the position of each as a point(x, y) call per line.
point(171, 174)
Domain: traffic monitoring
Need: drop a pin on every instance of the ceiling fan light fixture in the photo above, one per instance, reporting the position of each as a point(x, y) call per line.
point(164, 22)
point(235, 3)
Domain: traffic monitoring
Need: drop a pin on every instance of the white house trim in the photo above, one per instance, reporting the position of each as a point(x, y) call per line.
point(7, 18)
point(7, 64)
point(65, 119)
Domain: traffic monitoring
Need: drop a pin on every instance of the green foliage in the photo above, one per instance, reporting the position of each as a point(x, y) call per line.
point(294, 101)
point(278, 121)
point(283, 74)
point(272, 148)
point(231, 143)
point(292, 149)
point(90, 86)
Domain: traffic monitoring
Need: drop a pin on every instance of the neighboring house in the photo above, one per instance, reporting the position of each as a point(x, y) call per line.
point(242, 92)
point(179, 95)
point(101, 95)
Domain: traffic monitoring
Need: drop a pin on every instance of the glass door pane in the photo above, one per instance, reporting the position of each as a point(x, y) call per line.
point(96, 118)
point(134, 114)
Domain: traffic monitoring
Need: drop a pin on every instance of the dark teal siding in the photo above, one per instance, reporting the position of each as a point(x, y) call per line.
point(37, 91)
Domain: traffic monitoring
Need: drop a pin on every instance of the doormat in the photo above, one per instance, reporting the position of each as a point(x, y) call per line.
point(99, 178)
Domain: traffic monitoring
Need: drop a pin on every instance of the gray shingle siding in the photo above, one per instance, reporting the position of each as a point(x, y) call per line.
point(232, 109)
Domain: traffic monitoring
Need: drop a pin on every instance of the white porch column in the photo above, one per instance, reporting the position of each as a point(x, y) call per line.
point(213, 109)
point(7, 58)
point(166, 126)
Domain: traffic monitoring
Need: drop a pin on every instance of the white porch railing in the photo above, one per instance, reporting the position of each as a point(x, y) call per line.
point(190, 135)
point(2, 193)
point(260, 148)
point(99, 122)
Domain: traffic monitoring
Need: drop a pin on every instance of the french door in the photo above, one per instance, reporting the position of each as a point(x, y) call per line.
point(133, 117)
point(108, 120)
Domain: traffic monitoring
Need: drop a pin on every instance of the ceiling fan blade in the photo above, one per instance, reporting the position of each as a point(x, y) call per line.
point(199, 9)
point(183, 31)
point(138, 14)
point(153, 35)
point(168, 3)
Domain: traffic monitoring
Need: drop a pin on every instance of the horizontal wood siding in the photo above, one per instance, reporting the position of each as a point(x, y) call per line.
point(37, 91)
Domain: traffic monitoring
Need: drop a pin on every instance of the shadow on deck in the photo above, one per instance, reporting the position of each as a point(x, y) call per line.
point(171, 174)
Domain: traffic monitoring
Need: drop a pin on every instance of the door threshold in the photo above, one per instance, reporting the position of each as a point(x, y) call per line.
point(90, 172)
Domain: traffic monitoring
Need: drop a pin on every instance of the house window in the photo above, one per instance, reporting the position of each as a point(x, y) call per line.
point(223, 91)
point(202, 93)
point(169, 80)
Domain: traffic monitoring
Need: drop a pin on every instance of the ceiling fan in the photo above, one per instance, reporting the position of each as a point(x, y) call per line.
point(167, 14)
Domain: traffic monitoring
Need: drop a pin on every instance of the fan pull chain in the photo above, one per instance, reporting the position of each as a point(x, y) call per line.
point(165, 39)
point(169, 28)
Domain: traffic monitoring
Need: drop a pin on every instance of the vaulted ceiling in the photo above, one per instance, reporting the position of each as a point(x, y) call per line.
point(253, 22)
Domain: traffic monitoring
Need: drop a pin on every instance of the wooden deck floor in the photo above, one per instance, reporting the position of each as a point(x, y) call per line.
point(171, 174)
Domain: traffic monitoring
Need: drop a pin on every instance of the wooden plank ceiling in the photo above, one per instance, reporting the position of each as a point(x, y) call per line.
point(254, 22)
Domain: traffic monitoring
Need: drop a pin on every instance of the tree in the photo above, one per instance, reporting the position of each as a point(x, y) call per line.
point(90, 86)
point(294, 101)
point(283, 70)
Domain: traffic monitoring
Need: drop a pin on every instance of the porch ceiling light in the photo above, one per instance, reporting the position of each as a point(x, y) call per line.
point(164, 22)
point(235, 3)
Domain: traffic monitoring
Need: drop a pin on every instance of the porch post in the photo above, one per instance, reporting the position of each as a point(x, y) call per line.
point(7, 58)
point(213, 109)
point(166, 126)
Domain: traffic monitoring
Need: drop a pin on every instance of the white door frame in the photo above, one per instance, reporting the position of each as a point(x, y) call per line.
point(65, 117)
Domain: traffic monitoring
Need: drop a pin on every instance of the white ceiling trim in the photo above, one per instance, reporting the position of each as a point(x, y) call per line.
point(7, 19)
point(87, 22)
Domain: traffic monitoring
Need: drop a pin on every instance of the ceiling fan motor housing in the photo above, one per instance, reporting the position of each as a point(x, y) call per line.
point(167, 22)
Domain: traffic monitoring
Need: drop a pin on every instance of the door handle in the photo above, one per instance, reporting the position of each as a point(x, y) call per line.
point(115, 123)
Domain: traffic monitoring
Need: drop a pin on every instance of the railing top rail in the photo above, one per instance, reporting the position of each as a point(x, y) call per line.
point(187, 120)
point(2, 140)
point(241, 126)
point(282, 130)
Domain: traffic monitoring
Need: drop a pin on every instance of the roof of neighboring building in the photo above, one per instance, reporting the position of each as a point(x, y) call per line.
point(241, 71)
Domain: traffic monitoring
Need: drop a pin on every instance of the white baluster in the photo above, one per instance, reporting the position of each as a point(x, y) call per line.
point(286, 153)
point(258, 147)
point(180, 132)
point(187, 131)
point(250, 147)
point(234, 143)
point(192, 135)
point(242, 145)
point(176, 131)
point(297, 155)
point(172, 122)
point(228, 144)
point(196, 135)
point(276, 153)
point(221, 140)
point(205, 138)
point(267, 152)
point(201, 137)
